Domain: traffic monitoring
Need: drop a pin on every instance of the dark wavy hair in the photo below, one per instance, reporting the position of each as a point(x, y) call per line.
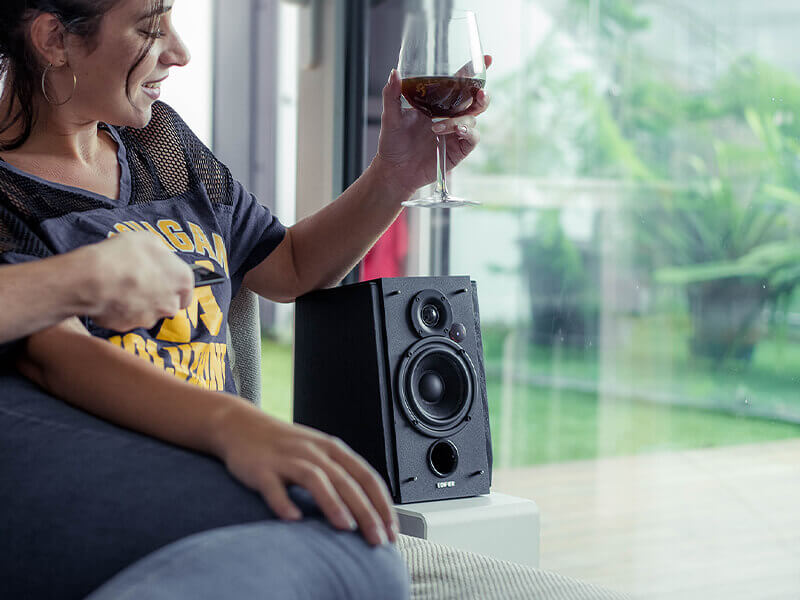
point(20, 67)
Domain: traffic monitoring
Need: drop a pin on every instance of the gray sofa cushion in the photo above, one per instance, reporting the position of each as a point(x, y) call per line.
point(444, 573)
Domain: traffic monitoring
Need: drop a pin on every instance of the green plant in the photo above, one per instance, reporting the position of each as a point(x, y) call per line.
point(727, 239)
point(561, 287)
point(716, 162)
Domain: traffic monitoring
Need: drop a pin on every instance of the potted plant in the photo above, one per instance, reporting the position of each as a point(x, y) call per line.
point(562, 290)
point(729, 244)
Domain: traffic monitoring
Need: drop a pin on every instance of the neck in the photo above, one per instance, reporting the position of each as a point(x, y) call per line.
point(57, 133)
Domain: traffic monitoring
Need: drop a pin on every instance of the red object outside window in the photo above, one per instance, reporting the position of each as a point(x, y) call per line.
point(387, 258)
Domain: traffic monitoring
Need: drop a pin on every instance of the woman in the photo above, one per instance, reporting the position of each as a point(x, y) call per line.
point(87, 153)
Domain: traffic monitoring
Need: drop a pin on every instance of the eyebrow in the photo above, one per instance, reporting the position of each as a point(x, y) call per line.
point(156, 11)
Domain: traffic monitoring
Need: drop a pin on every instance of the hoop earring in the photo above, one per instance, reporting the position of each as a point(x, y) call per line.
point(44, 86)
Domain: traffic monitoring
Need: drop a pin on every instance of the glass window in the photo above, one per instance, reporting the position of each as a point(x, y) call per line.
point(276, 348)
point(189, 89)
point(637, 261)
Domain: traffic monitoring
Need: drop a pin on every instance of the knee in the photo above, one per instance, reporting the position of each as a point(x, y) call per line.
point(345, 567)
point(385, 576)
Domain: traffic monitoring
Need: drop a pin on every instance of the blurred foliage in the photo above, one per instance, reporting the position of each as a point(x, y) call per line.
point(714, 158)
point(553, 257)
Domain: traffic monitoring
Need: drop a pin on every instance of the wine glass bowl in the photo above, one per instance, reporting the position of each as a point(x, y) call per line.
point(441, 97)
point(442, 69)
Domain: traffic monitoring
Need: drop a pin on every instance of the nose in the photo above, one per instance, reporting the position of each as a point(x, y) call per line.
point(176, 54)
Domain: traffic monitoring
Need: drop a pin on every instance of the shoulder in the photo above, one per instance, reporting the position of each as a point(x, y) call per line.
point(169, 147)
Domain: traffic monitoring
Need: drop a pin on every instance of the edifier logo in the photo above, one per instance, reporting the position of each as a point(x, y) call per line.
point(444, 484)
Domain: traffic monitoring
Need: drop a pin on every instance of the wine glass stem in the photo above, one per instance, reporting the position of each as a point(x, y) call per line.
point(441, 168)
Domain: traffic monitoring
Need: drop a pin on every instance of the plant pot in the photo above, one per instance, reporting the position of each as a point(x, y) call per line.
point(568, 322)
point(729, 317)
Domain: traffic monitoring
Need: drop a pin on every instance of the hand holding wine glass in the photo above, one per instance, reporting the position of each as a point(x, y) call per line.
point(453, 97)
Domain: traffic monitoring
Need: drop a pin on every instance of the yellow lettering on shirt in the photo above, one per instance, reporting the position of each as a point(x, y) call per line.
point(179, 328)
point(156, 233)
point(134, 226)
point(152, 352)
point(175, 234)
point(221, 251)
point(198, 363)
point(180, 361)
point(201, 243)
point(135, 344)
point(217, 367)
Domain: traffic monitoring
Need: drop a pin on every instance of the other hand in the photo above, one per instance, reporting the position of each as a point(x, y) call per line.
point(267, 455)
point(137, 281)
point(407, 145)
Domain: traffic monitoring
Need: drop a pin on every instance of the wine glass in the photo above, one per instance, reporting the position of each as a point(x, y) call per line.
point(442, 69)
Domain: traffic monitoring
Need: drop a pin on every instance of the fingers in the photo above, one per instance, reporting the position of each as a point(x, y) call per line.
point(185, 297)
point(392, 108)
point(339, 499)
point(481, 104)
point(369, 481)
point(454, 125)
point(347, 490)
point(459, 146)
point(468, 71)
point(274, 493)
point(361, 506)
point(313, 478)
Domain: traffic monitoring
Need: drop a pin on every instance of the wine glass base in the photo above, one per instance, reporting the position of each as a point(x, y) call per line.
point(439, 202)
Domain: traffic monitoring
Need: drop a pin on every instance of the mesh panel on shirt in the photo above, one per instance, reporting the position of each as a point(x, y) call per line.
point(166, 160)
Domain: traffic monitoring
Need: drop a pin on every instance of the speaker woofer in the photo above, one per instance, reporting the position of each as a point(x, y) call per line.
point(436, 383)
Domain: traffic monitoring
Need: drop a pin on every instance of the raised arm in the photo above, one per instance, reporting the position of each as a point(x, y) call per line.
point(321, 249)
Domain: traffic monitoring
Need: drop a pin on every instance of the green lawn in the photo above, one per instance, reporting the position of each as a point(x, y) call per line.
point(276, 379)
point(548, 426)
point(551, 425)
point(651, 362)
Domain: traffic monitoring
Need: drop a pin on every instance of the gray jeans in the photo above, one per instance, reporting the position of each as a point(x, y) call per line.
point(269, 559)
point(82, 499)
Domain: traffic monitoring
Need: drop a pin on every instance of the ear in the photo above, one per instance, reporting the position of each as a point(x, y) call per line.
point(47, 37)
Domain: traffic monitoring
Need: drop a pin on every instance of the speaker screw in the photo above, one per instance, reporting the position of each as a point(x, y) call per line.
point(446, 331)
point(468, 418)
point(414, 422)
point(477, 473)
point(409, 354)
point(419, 331)
point(410, 480)
point(443, 299)
point(416, 299)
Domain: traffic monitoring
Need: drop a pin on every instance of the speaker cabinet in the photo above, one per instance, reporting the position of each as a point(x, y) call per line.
point(394, 367)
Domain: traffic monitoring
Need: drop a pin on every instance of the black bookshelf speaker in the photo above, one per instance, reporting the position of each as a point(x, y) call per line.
point(394, 367)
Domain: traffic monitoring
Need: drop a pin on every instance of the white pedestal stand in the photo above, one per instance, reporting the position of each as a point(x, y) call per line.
point(497, 525)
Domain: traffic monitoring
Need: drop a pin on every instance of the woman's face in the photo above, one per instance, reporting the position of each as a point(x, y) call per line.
point(104, 91)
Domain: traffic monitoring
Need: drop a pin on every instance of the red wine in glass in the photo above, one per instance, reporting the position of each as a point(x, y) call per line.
point(442, 68)
point(442, 97)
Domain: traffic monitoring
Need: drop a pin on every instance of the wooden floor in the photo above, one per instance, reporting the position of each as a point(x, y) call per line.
point(710, 524)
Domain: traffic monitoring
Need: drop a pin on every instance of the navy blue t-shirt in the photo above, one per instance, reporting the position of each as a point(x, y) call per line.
point(172, 186)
